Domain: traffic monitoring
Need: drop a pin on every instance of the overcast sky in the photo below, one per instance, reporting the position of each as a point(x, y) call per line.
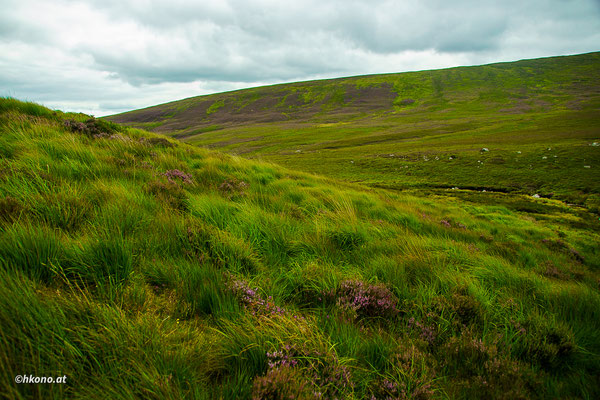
point(107, 56)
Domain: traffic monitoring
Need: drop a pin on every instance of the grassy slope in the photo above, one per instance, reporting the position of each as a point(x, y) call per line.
point(537, 118)
point(141, 267)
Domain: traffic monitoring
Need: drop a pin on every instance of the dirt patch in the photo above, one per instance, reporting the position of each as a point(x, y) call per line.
point(370, 98)
point(266, 105)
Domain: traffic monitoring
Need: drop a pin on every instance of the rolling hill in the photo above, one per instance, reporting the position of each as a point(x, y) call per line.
point(137, 266)
point(423, 235)
point(529, 127)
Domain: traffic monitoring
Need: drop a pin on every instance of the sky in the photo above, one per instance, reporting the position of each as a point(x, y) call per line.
point(103, 57)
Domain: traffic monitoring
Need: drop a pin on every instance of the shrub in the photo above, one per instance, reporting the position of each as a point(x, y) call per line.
point(361, 300)
point(169, 193)
point(487, 372)
point(92, 127)
point(175, 175)
point(552, 346)
point(232, 187)
point(252, 300)
point(411, 377)
point(467, 309)
point(282, 383)
point(427, 333)
point(298, 370)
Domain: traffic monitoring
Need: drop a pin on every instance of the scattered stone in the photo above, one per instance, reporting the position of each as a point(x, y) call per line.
point(455, 188)
point(587, 166)
point(519, 152)
point(298, 151)
point(536, 196)
point(450, 158)
point(484, 149)
point(352, 162)
point(595, 144)
point(544, 158)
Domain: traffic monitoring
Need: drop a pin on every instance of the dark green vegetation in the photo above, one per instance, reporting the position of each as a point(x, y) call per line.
point(416, 130)
point(140, 267)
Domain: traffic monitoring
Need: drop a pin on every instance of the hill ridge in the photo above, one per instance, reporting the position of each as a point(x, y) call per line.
point(138, 266)
point(432, 123)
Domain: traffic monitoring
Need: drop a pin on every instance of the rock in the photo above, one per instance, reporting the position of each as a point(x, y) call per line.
point(484, 149)
point(587, 166)
point(536, 196)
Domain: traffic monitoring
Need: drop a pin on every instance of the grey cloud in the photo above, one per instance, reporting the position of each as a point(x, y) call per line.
point(176, 47)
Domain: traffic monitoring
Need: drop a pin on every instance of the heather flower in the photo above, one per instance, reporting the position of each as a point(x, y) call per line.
point(174, 175)
point(281, 383)
point(232, 187)
point(327, 378)
point(410, 377)
point(253, 301)
point(365, 300)
point(427, 333)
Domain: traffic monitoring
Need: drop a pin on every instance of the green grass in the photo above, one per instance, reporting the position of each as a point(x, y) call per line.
point(418, 130)
point(140, 267)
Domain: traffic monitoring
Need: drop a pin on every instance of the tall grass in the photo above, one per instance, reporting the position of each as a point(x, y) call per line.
point(143, 268)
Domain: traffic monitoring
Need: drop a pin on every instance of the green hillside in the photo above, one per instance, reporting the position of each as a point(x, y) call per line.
point(421, 130)
point(141, 267)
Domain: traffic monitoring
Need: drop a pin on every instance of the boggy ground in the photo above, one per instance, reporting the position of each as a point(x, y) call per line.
point(140, 267)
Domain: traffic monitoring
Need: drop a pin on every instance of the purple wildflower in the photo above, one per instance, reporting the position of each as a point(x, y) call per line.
point(365, 300)
point(252, 301)
point(175, 174)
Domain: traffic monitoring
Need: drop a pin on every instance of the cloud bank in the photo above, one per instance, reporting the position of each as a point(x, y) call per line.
point(104, 57)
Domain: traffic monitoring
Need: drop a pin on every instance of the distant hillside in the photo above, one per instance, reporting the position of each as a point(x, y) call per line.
point(539, 119)
point(139, 267)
